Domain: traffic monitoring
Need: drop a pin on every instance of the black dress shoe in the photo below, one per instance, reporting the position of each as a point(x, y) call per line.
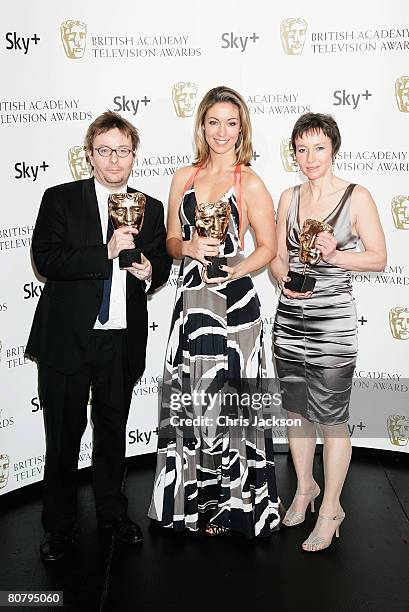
point(124, 530)
point(54, 545)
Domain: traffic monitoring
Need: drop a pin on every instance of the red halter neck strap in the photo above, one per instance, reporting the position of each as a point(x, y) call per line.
point(237, 191)
point(191, 179)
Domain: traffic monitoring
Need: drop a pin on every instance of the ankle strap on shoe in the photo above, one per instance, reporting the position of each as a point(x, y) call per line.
point(330, 518)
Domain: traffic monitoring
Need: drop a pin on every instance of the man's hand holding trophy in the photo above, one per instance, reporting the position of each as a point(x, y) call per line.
point(126, 212)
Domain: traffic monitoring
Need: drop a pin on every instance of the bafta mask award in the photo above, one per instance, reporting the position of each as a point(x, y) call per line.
point(127, 209)
point(212, 221)
point(309, 255)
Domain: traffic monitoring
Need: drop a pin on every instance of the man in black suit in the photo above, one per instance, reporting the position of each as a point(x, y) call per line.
point(90, 329)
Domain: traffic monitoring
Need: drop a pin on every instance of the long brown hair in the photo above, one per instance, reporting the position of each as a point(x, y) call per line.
point(244, 148)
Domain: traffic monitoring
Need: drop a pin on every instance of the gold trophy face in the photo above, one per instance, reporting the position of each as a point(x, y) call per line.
point(212, 219)
point(398, 429)
point(399, 322)
point(127, 209)
point(4, 469)
point(78, 163)
point(293, 32)
point(74, 38)
point(400, 212)
point(402, 93)
point(287, 156)
point(184, 98)
point(308, 254)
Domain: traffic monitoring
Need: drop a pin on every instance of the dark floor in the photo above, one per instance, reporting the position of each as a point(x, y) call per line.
point(367, 569)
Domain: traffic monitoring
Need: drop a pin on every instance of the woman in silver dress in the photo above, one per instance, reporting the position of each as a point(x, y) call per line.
point(315, 332)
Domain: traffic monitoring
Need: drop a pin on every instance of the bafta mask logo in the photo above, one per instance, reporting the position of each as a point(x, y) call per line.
point(78, 163)
point(400, 211)
point(402, 93)
point(74, 38)
point(398, 429)
point(127, 209)
point(287, 156)
point(4, 469)
point(184, 98)
point(399, 322)
point(293, 32)
point(310, 229)
point(212, 219)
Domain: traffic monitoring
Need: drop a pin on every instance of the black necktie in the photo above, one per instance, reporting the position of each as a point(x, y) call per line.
point(103, 314)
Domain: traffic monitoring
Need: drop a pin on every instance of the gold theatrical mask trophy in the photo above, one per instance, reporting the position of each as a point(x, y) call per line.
point(127, 209)
point(212, 221)
point(308, 255)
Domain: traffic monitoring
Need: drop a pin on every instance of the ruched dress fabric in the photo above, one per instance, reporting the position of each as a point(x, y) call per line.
point(226, 475)
point(315, 339)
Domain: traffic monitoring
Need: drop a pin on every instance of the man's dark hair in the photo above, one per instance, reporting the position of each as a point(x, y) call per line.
point(109, 121)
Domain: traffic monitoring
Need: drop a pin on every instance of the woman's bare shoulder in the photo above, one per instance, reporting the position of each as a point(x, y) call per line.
point(184, 172)
point(361, 193)
point(286, 197)
point(181, 176)
point(251, 180)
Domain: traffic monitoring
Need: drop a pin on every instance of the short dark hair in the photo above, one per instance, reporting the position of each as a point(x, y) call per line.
point(315, 122)
point(109, 121)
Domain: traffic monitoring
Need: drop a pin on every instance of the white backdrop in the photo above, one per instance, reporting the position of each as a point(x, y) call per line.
point(128, 57)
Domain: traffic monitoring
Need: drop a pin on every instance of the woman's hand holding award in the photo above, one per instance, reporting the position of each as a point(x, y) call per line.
point(212, 221)
point(309, 255)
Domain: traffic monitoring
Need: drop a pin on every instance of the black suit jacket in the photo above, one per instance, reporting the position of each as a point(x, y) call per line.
point(68, 249)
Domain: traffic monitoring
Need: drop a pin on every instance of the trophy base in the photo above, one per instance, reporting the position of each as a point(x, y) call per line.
point(299, 282)
point(213, 269)
point(129, 256)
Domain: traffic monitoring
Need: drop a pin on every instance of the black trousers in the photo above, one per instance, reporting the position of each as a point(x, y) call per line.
point(64, 400)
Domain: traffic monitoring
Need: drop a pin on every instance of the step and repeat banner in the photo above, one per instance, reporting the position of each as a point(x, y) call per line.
point(65, 63)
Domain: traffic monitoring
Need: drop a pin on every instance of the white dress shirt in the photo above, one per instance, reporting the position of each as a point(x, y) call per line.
point(117, 304)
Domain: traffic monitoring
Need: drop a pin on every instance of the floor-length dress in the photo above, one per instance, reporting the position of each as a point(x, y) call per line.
point(225, 473)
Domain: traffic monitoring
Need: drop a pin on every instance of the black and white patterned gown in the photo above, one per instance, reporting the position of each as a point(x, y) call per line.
point(225, 473)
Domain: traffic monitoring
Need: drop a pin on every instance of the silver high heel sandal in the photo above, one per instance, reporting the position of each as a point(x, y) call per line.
point(295, 518)
point(314, 542)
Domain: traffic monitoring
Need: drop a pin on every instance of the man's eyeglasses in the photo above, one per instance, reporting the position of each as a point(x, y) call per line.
point(107, 151)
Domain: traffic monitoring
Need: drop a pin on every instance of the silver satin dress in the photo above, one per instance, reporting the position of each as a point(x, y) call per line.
point(315, 339)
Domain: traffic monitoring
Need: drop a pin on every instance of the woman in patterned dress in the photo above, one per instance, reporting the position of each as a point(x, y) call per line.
point(214, 467)
point(315, 332)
